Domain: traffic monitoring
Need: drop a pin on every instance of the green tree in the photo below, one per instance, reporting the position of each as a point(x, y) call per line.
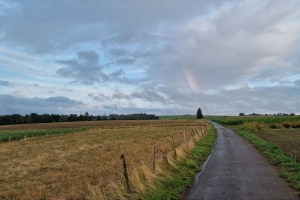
point(86, 116)
point(199, 114)
point(35, 118)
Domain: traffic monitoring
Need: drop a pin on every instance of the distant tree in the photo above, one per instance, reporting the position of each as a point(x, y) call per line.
point(73, 117)
point(45, 118)
point(54, 117)
point(113, 118)
point(242, 114)
point(292, 114)
point(63, 118)
point(28, 119)
point(35, 118)
point(86, 116)
point(104, 118)
point(199, 114)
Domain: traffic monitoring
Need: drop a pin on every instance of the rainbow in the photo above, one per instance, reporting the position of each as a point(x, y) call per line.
point(191, 80)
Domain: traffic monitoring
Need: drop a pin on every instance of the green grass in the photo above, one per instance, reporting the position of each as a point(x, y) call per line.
point(293, 120)
point(175, 117)
point(289, 167)
point(7, 135)
point(176, 181)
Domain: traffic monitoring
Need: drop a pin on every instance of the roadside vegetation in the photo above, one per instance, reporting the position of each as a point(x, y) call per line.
point(175, 181)
point(87, 165)
point(277, 138)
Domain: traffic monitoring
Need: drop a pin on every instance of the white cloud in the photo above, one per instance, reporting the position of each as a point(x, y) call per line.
point(167, 56)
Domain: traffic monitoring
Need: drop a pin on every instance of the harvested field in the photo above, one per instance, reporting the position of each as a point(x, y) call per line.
point(287, 139)
point(85, 165)
point(106, 124)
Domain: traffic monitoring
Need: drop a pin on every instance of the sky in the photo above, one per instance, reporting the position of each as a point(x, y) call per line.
point(158, 57)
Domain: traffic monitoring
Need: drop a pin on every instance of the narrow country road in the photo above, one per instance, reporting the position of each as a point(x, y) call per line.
point(236, 170)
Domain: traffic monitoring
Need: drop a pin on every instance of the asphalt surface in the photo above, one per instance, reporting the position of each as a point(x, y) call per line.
point(236, 170)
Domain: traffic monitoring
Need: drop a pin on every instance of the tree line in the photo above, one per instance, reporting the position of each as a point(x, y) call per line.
point(278, 114)
point(48, 118)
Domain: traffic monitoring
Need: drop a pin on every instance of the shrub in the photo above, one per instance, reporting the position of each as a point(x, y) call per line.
point(254, 126)
point(276, 126)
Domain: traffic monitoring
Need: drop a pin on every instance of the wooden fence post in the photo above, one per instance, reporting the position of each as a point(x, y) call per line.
point(195, 131)
point(193, 136)
point(153, 157)
point(173, 147)
point(185, 140)
point(198, 132)
point(25, 138)
point(125, 173)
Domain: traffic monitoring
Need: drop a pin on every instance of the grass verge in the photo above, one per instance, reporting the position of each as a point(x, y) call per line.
point(289, 167)
point(175, 181)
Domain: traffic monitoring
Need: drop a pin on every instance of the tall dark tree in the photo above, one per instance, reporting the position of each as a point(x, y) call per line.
point(86, 116)
point(199, 114)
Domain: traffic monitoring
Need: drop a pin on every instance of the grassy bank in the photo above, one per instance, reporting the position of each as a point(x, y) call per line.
point(178, 178)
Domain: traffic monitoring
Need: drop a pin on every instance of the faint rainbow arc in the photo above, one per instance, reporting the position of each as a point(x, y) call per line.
point(191, 80)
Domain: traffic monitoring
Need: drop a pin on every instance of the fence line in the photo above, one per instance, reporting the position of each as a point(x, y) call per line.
point(165, 162)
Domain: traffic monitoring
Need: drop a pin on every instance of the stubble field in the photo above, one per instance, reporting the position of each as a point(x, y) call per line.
point(86, 164)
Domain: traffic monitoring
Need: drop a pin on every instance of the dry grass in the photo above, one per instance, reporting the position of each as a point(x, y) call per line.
point(86, 165)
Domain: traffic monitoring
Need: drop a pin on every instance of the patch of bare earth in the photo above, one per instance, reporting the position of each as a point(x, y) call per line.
point(287, 139)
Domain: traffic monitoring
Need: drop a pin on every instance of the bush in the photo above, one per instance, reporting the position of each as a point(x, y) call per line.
point(276, 126)
point(254, 126)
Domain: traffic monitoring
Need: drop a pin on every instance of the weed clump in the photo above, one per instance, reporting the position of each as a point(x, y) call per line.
point(254, 126)
point(276, 126)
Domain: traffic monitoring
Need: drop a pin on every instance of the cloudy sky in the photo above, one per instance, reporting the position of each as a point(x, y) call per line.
point(160, 56)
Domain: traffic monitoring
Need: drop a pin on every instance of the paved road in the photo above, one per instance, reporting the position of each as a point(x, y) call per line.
point(236, 170)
